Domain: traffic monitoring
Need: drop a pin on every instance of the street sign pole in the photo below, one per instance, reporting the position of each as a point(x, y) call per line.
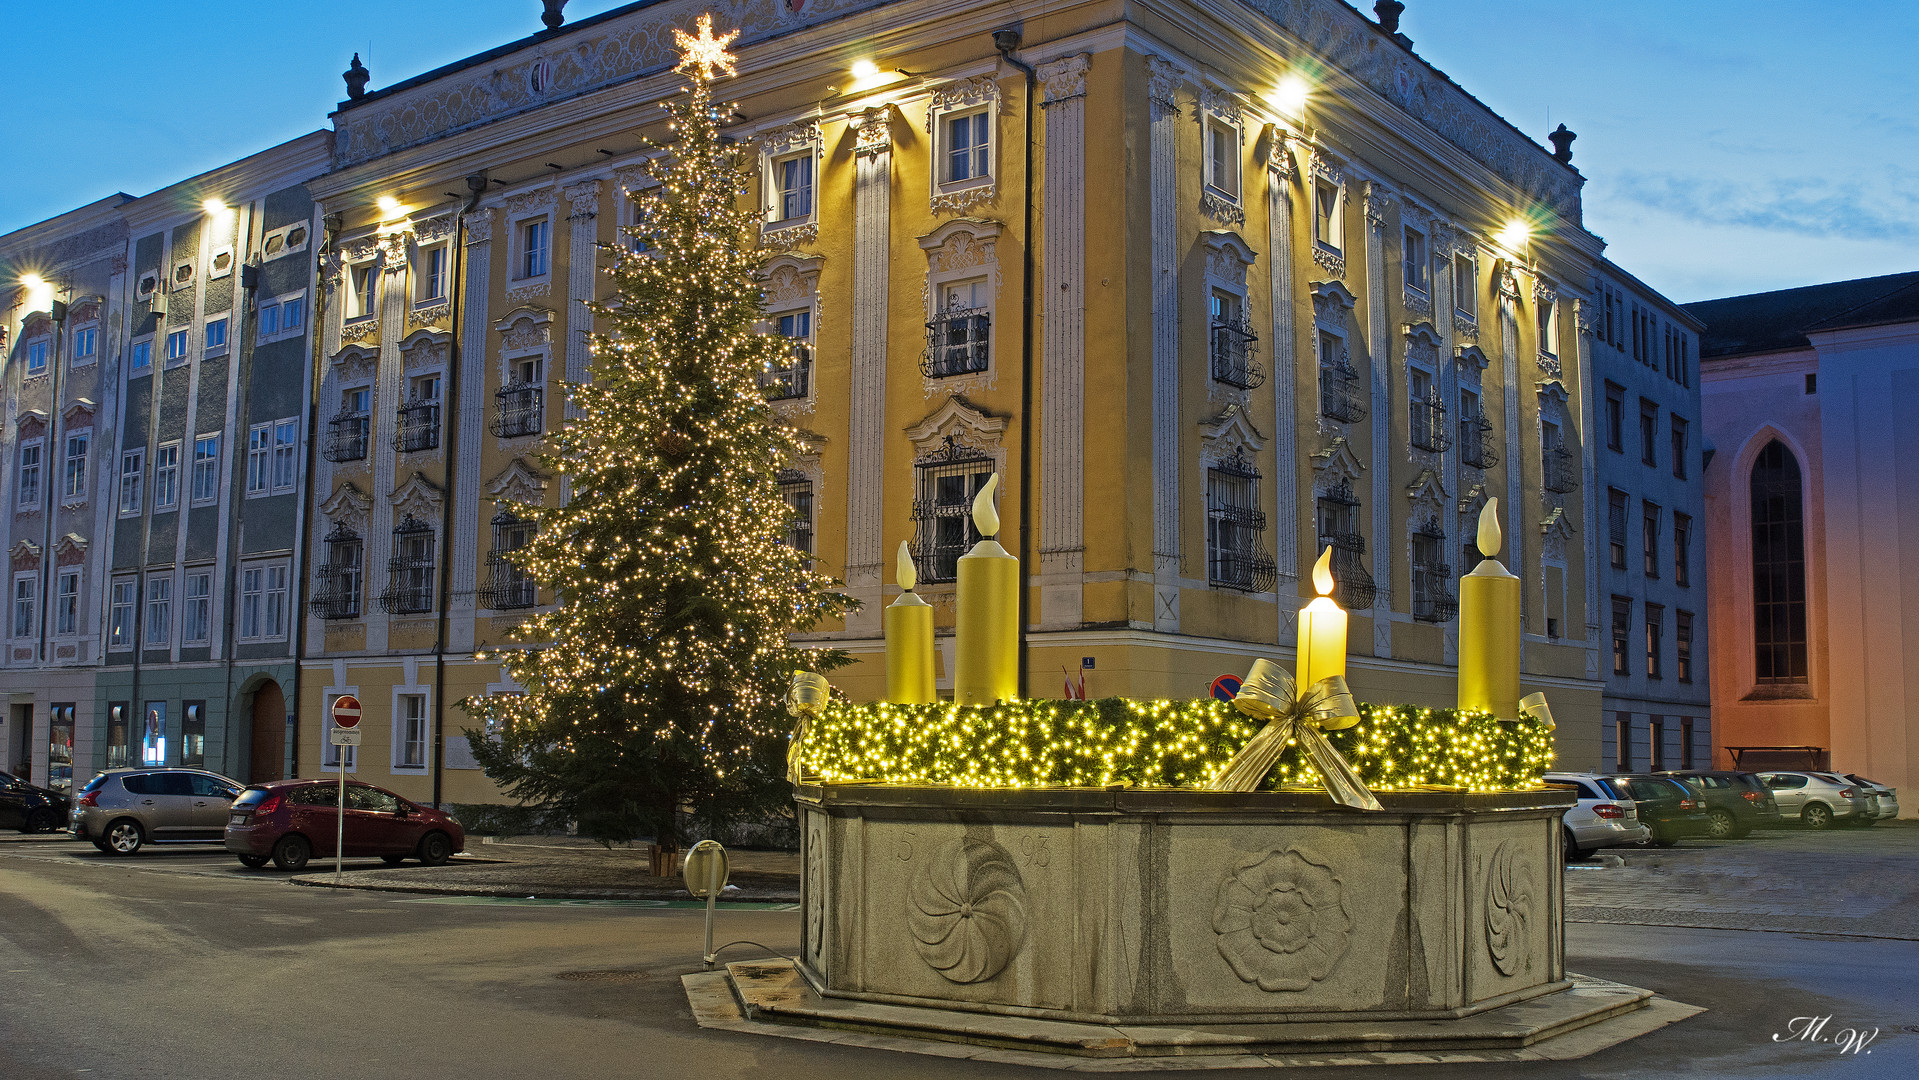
point(345, 713)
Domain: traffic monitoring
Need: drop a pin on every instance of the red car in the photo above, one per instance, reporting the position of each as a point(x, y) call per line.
point(290, 821)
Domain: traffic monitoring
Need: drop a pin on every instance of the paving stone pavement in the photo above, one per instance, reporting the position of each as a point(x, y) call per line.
point(1854, 881)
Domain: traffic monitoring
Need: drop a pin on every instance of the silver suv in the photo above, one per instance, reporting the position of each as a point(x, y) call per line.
point(1817, 799)
point(1604, 816)
point(121, 810)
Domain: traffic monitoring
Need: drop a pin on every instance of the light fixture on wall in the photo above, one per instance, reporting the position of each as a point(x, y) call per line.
point(389, 207)
point(1289, 97)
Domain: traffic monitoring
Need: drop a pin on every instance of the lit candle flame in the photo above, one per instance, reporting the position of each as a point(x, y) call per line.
point(1323, 572)
point(985, 518)
point(908, 578)
point(1490, 537)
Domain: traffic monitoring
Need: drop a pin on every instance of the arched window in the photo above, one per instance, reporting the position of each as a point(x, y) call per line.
point(1778, 568)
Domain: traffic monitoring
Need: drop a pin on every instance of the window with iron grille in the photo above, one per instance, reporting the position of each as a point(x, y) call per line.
point(1235, 559)
point(1337, 513)
point(418, 425)
point(409, 588)
point(1559, 467)
point(508, 584)
point(347, 432)
point(1338, 382)
point(336, 595)
point(792, 378)
point(519, 409)
point(945, 482)
point(797, 490)
point(1426, 413)
point(1433, 599)
point(957, 342)
point(1234, 345)
point(1475, 432)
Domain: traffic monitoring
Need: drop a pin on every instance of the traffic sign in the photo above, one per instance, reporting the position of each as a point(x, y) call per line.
point(343, 737)
point(706, 868)
point(346, 713)
point(1226, 687)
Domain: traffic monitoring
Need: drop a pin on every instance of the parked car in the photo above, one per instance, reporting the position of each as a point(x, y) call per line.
point(291, 821)
point(1604, 816)
point(1814, 799)
point(1672, 809)
point(1735, 801)
point(29, 808)
point(1888, 797)
point(122, 810)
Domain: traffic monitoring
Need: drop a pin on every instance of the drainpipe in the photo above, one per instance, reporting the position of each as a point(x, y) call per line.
point(477, 184)
point(316, 323)
point(1006, 41)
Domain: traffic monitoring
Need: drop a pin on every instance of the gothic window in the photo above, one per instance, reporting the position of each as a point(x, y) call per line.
point(1235, 558)
point(945, 482)
point(1778, 568)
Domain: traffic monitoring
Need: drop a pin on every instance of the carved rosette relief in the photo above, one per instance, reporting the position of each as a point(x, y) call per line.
point(1281, 920)
point(966, 908)
point(1510, 899)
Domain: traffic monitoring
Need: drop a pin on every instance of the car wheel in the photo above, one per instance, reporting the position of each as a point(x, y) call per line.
point(102, 845)
point(393, 860)
point(1816, 816)
point(254, 862)
point(1664, 841)
point(1722, 826)
point(1574, 852)
point(292, 853)
point(124, 837)
point(435, 848)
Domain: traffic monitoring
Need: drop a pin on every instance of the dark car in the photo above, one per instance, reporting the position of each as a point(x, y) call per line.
point(1735, 801)
point(1672, 809)
point(291, 821)
point(28, 808)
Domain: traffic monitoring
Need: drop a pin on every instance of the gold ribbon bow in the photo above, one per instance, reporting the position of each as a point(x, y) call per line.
point(1270, 694)
point(805, 698)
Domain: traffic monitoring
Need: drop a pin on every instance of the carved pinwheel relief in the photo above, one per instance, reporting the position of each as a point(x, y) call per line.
point(966, 908)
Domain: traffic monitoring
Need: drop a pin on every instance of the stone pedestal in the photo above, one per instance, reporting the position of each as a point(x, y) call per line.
point(1127, 906)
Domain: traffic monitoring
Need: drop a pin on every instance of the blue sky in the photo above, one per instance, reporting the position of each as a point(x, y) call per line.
point(1729, 147)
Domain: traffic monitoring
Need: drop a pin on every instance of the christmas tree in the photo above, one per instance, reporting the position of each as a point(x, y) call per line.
point(658, 682)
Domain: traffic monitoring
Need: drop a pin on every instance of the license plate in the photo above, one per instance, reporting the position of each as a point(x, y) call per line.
point(237, 819)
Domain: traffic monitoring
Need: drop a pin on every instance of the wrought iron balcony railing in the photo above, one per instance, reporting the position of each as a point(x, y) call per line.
point(958, 342)
point(519, 410)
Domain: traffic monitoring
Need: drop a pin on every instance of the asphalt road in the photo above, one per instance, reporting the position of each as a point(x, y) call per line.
point(180, 964)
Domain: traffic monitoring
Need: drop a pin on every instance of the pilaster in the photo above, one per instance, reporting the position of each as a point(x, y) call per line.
point(1379, 354)
point(476, 262)
point(1164, 79)
point(1062, 489)
point(866, 434)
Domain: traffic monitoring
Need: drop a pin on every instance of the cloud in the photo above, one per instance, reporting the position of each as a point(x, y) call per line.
point(1832, 207)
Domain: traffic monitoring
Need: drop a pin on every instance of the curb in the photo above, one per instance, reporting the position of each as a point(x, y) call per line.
point(325, 881)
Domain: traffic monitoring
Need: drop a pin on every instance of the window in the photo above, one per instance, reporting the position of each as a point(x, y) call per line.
point(1233, 343)
point(193, 744)
point(1682, 549)
point(159, 611)
point(263, 602)
point(431, 276)
point(153, 751)
point(1336, 519)
point(1339, 390)
point(37, 357)
point(1615, 417)
point(419, 419)
point(410, 571)
point(142, 356)
point(1433, 599)
point(120, 615)
point(1426, 412)
point(511, 585)
point(73, 484)
point(27, 491)
point(1621, 635)
point(348, 431)
point(1559, 466)
point(1682, 645)
point(286, 437)
point(1649, 526)
point(793, 186)
point(86, 343)
point(1475, 432)
point(1234, 556)
point(1678, 447)
point(793, 379)
point(260, 459)
point(958, 340)
point(1548, 320)
point(337, 593)
point(286, 316)
point(1328, 211)
point(797, 490)
point(1222, 158)
point(1655, 627)
point(520, 405)
point(968, 147)
point(1778, 568)
point(25, 588)
point(1648, 432)
point(117, 734)
point(1616, 526)
point(284, 241)
point(945, 481)
point(66, 606)
point(1685, 742)
point(176, 348)
point(1466, 285)
point(534, 237)
point(166, 477)
point(360, 281)
point(133, 466)
point(1622, 742)
point(1656, 739)
point(409, 742)
point(1812, 382)
point(1415, 264)
point(206, 469)
point(196, 608)
point(214, 336)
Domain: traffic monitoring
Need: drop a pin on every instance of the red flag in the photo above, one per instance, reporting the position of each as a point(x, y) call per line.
point(1082, 684)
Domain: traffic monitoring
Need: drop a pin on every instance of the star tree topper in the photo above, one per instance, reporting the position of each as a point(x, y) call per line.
point(706, 52)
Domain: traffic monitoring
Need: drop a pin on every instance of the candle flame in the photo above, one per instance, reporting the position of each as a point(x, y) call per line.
point(1490, 537)
point(1323, 572)
point(908, 578)
point(985, 518)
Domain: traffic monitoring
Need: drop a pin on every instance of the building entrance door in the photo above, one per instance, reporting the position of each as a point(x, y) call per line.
point(269, 734)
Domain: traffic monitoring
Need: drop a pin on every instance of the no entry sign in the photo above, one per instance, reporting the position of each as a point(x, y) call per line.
point(346, 711)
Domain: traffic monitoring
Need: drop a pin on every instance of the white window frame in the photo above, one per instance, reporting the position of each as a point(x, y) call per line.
point(140, 355)
point(40, 349)
point(133, 467)
point(1217, 128)
point(1465, 264)
point(268, 252)
point(220, 262)
point(362, 304)
point(196, 609)
point(1547, 324)
point(66, 611)
point(209, 466)
point(272, 317)
point(25, 497)
point(963, 98)
point(260, 582)
point(797, 143)
point(423, 278)
point(1329, 229)
point(517, 240)
point(183, 337)
point(166, 477)
point(23, 603)
point(1422, 259)
point(210, 347)
point(158, 630)
point(402, 695)
point(286, 455)
point(123, 597)
point(72, 494)
point(87, 334)
point(260, 460)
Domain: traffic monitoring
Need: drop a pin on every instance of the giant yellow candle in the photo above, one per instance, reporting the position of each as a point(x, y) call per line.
point(1322, 629)
point(986, 669)
point(909, 641)
point(1489, 628)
